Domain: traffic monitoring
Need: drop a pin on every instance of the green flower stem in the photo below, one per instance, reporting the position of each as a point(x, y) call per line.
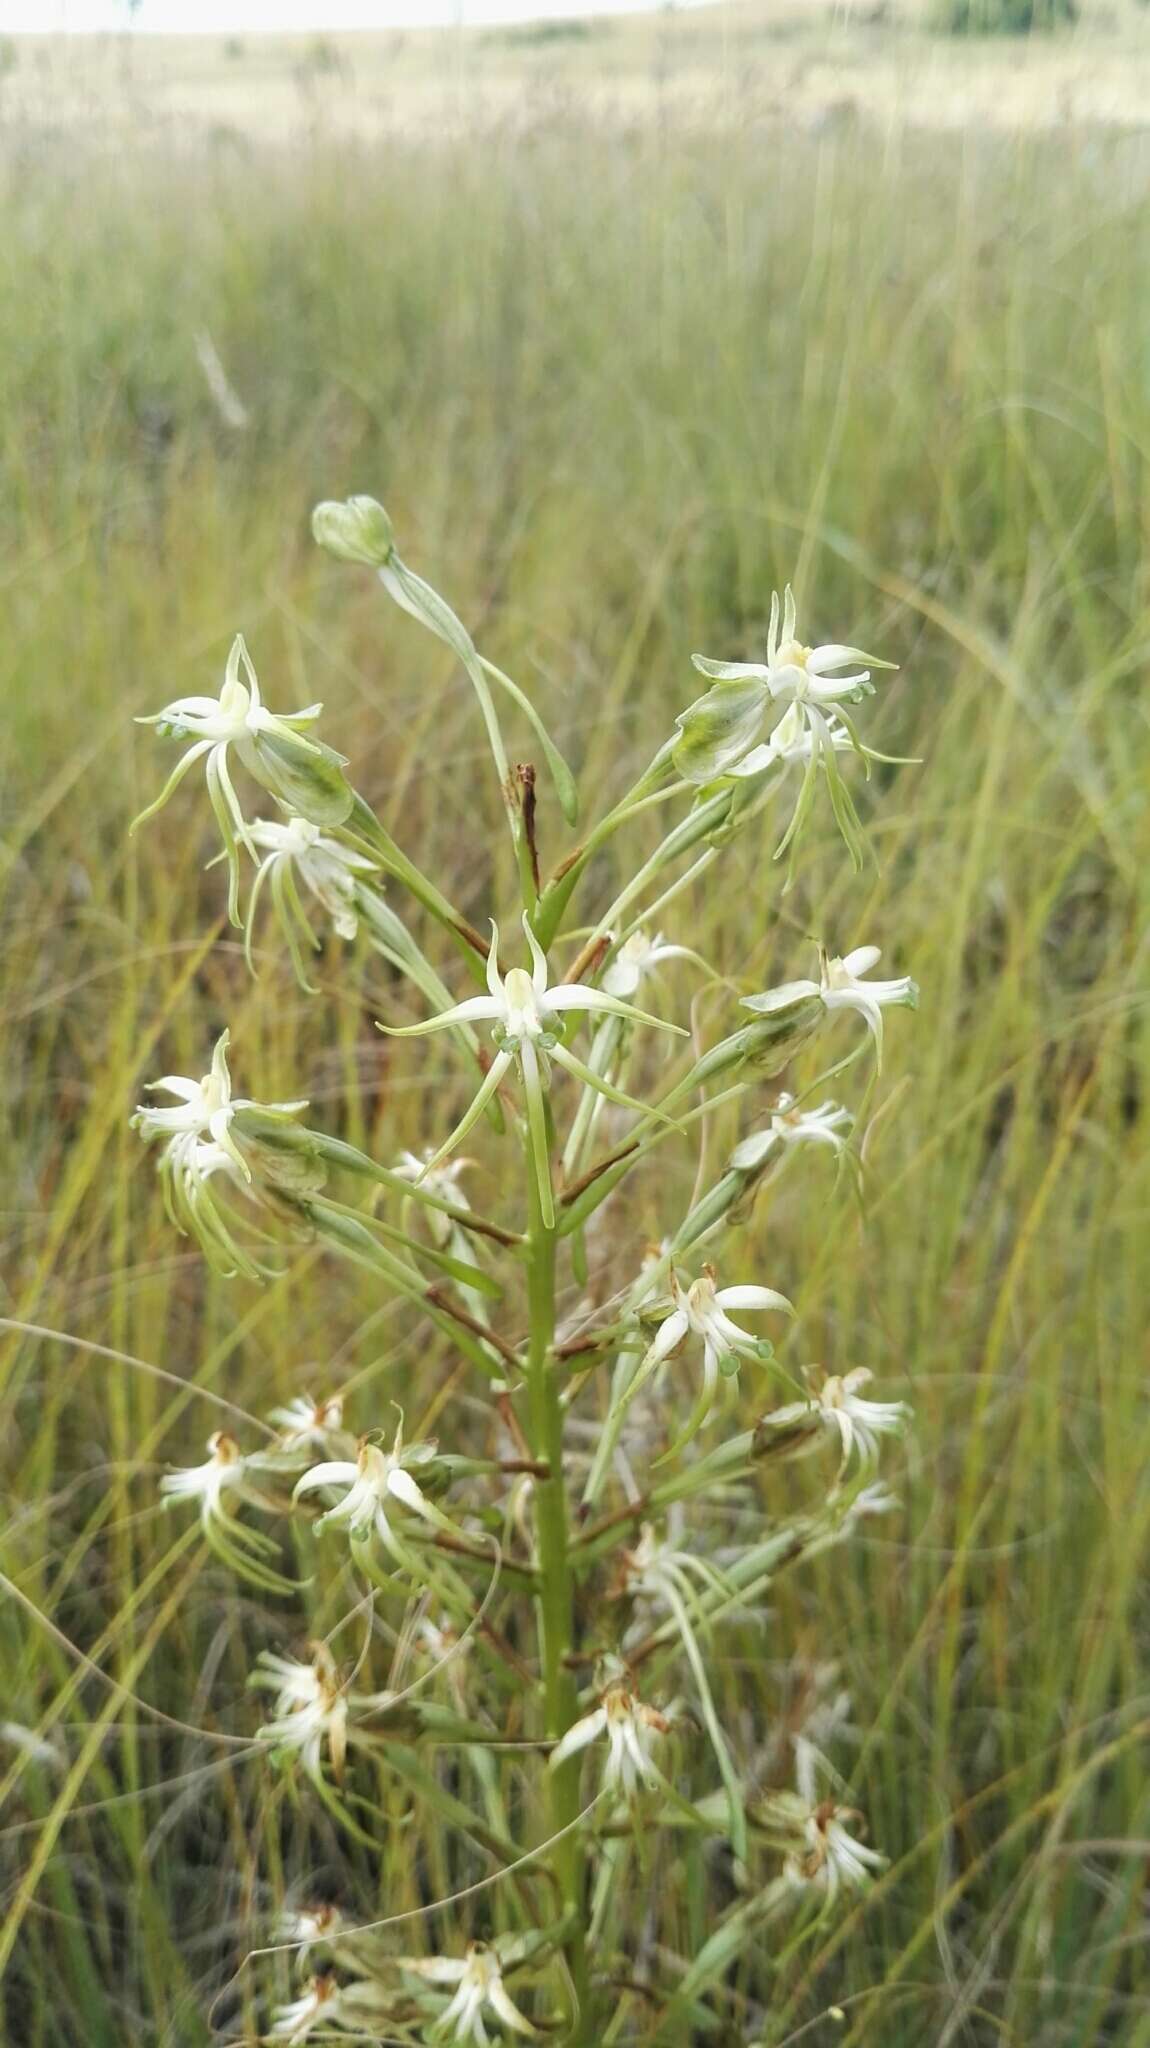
point(433, 611)
point(561, 774)
point(556, 1607)
point(345, 1232)
point(559, 890)
point(699, 822)
point(652, 912)
point(576, 1207)
point(310, 1144)
point(730, 1463)
point(364, 826)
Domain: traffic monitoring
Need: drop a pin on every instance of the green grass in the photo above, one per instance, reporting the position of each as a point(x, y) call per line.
point(612, 389)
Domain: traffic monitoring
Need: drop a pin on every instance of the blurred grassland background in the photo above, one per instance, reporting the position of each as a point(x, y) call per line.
point(615, 378)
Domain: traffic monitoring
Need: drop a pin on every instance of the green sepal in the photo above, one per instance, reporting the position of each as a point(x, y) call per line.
point(718, 729)
point(305, 775)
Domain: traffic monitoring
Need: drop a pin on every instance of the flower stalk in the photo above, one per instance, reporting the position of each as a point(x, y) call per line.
point(556, 1595)
point(552, 1581)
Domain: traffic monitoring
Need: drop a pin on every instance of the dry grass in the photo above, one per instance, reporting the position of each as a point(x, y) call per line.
point(776, 64)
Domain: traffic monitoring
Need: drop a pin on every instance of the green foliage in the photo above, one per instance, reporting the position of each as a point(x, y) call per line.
point(1003, 17)
point(537, 35)
point(623, 390)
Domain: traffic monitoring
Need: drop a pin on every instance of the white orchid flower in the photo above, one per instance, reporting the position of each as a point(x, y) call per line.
point(311, 1708)
point(447, 1233)
point(296, 851)
point(318, 2006)
point(658, 1574)
point(308, 1428)
point(308, 1926)
point(199, 1146)
point(842, 1518)
point(224, 1472)
point(441, 1640)
point(700, 1310)
point(205, 1109)
point(640, 956)
point(793, 740)
point(791, 1126)
point(303, 773)
point(478, 1989)
point(832, 1859)
point(632, 1729)
point(379, 1490)
point(728, 733)
point(803, 736)
point(441, 1182)
point(188, 1171)
point(327, 2005)
point(840, 1407)
point(528, 1016)
point(722, 734)
point(636, 961)
point(447, 1652)
point(218, 1486)
point(841, 986)
point(800, 675)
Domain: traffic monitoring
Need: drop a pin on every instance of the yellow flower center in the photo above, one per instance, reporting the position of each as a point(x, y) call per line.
point(792, 655)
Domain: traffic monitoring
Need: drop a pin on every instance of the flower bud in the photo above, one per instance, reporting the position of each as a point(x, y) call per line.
point(752, 1153)
point(303, 775)
point(282, 1154)
point(730, 1197)
point(780, 1030)
point(719, 729)
point(787, 1438)
point(356, 530)
point(768, 1043)
point(713, 1209)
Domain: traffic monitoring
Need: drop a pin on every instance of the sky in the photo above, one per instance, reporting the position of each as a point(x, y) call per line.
point(249, 16)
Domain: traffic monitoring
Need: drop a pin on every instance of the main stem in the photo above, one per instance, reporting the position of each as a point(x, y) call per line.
point(556, 1595)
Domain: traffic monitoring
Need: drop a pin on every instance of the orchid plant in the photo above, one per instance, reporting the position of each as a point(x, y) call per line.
point(541, 1594)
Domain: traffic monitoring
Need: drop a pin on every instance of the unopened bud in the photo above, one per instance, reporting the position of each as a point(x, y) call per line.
point(780, 1030)
point(303, 774)
point(283, 1154)
point(354, 530)
point(786, 1439)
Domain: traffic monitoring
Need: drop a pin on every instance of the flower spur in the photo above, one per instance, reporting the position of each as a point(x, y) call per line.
point(528, 1017)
